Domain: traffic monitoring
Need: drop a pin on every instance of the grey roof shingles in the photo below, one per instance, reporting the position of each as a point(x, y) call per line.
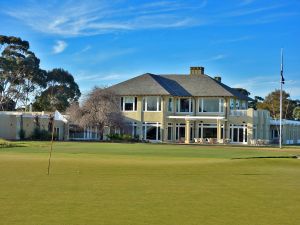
point(176, 85)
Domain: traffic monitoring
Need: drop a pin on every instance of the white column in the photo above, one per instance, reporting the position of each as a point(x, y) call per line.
point(187, 132)
point(219, 131)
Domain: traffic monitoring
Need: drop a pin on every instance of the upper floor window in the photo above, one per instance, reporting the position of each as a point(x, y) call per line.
point(237, 104)
point(244, 105)
point(211, 105)
point(170, 105)
point(152, 103)
point(129, 103)
point(231, 103)
point(184, 105)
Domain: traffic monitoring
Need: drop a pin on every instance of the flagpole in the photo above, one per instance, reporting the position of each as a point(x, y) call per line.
point(281, 82)
point(51, 145)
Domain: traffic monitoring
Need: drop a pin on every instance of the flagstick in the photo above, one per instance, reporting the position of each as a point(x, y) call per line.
point(51, 148)
point(281, 81)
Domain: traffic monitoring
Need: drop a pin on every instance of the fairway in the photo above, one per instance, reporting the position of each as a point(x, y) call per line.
point(139, 184)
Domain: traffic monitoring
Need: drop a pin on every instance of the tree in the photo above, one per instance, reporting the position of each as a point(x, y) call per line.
point(296, 113)
point(243, 91)
point(100, 108)
point(20, 73)
point(272, 103)
point(61, 90)
point(256, 100)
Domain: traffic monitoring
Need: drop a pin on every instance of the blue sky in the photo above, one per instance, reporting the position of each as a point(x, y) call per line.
point(104, 42)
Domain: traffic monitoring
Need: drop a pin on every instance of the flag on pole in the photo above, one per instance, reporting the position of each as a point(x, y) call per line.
point(281, 68)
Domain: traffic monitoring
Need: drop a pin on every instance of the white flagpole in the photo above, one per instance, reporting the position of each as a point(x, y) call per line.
point(281, 82)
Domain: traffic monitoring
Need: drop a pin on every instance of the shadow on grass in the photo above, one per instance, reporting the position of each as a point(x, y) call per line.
point(271, 157)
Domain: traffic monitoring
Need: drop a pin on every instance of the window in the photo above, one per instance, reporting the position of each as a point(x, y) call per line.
point(151, 131)
point(237, 104)
point(134, 130)
point(152, 103)
point(244, 105)
point(184, 105)
point(170, 131)
point(231, 103)
point(210, 130)
point(170, 105)
point(238, 133)
point(211, 105)
point(221, 105)
point(129, 103)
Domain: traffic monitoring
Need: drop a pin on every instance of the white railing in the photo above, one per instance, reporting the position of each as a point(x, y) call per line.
point(238, 113)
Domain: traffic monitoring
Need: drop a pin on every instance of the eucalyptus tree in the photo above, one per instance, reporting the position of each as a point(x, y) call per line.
point(20, 73)
point(61, 90)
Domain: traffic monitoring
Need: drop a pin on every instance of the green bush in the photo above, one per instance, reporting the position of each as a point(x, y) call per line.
point(40, 135)
point(22, 134)
point(120, 137)
point(5, 143)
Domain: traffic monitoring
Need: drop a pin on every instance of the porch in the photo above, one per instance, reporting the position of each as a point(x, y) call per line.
point(205, 130)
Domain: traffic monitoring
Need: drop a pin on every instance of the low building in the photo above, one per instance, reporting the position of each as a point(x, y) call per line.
point(13, 123)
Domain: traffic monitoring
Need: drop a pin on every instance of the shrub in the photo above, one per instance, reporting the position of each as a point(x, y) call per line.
point(40, 135)
point(120, 137)
point(22, 134)
point(5, 143)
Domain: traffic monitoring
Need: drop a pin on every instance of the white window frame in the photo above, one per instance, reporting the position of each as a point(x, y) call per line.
point(244, 128)
point(134, 106)
point(221, 105)
point(178, 105)
point(170, 125)
point(209, 125)
point(155, 124)
point(231, 104)
point(237, 104)
point(158, 104)
point(172, 104)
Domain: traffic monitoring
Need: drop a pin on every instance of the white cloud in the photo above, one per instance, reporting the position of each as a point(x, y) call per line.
point(98, 77)
point(78, 17)
point(88, 17)
point(233, 40)
point(59, 47)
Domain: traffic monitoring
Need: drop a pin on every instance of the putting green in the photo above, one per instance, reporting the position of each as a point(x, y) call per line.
point(103, 183)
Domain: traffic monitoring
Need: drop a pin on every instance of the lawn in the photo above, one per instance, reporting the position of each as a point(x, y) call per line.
point(137, 184)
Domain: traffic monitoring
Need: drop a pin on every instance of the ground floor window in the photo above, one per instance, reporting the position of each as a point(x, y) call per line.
point(134, 133)
point(238, 133)
point(209, 130)
point(170, 131)
point(76, 132)
point(275, 134)
point(151, 131)
point(180, 131)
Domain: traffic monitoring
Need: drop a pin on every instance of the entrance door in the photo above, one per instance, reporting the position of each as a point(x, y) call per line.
point(238, 134)
point(180, 132)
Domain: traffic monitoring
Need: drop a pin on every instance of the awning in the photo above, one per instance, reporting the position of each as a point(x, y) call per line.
point(197, 117)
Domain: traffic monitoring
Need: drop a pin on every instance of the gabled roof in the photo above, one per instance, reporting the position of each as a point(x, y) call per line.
point(176, 85)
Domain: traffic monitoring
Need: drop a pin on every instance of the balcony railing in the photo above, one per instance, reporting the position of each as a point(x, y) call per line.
point(238, 113)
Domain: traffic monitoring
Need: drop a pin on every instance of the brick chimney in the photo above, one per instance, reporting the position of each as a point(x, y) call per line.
point(197, 70)
point(219, 79)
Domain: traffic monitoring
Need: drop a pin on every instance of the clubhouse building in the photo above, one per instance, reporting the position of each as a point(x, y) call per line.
point(195, 107)
point(175, 108)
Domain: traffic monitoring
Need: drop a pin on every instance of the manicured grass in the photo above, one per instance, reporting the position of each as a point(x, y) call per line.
point(102, 183)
